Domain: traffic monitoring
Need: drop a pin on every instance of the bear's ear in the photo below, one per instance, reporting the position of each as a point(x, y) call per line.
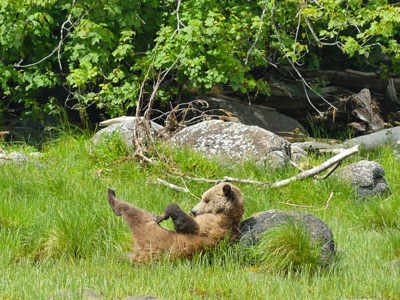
point(228, 192)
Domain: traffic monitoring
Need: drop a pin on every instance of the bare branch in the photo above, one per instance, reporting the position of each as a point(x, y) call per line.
point(58, 48)
point(331, 170)
point(304, 82)
point(321, 43)
point(306, 174)
point(297, 205)
point(257, 36)
point(316, 170)
point(173, 186)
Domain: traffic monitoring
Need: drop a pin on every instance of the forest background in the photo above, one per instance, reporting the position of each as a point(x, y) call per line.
point(97, 58)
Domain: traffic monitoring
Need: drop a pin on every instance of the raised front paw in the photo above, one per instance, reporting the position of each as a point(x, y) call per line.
point(159, 219)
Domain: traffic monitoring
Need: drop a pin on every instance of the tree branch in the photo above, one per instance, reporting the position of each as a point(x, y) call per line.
point(257, 36)
point(58, 48)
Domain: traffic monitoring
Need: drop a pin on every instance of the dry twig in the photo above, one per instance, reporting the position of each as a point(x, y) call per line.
point(297, 205)
point(328, 201)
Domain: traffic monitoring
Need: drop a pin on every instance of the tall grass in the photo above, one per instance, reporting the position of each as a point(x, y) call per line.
point(58, 232)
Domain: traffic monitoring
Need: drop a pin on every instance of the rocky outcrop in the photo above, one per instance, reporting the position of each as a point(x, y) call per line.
point(255, 115)
point(255, 226)
point(366, 177)
point(125, 130)
point(234, 141)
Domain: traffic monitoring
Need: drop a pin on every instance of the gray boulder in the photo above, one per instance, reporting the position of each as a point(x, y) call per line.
point(255, 115)
point(367, 178)
point(259, 223)
point(126, 130)
point(14, 157)
point(234, 141)
point(297, 154)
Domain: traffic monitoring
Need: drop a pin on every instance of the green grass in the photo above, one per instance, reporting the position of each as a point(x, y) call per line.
point(58, 232)
point(286, 248)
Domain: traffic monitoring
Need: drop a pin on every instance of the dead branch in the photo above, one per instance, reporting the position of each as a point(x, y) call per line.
point(296, 166)
point(328, 201)
point(306, 174)
point(331, 170)
point(297, 205)
point(173, 186)
point(316, 170)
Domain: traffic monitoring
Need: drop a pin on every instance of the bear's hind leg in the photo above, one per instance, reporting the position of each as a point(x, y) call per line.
point(117, 205)
point(133, 215)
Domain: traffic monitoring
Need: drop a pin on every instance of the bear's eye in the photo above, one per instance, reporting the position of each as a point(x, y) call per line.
point(206, 200)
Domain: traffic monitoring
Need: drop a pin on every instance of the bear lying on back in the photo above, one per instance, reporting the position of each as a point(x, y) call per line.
point(217, 216)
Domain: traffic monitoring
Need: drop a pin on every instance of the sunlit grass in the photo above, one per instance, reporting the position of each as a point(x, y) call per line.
point(58, 232)
point(286, 248)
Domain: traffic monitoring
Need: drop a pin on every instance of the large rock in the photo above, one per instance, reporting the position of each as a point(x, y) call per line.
point(234, 141)
point(126, 130)
point(367, 178)
point(256, 115)
point(255, 226)
point(14, 157)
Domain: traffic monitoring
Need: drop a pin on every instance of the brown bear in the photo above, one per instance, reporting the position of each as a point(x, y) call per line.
point(217, 216)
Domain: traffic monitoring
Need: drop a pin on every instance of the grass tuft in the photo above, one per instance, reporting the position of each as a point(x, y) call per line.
point(286, 248)
point(379, 214)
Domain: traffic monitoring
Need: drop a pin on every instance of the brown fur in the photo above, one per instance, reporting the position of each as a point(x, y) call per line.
point(183, 223)
point(217, 216)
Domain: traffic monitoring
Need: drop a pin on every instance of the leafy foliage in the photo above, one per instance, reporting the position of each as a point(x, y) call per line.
point(101, 51)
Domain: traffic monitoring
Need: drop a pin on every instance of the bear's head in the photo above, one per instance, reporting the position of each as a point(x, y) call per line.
point(223, 198)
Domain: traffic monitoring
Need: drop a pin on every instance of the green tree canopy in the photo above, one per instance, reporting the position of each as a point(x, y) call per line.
point(102, 51)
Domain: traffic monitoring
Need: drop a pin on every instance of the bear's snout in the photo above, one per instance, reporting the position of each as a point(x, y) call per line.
point(194, 213)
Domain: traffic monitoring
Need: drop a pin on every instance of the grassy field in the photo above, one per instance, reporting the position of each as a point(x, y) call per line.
point(58, 232)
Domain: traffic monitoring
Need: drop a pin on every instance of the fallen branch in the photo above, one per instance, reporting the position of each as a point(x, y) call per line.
point(298, 205)
point(316, 170)
point(173, 186)
point(309, 173)
point(227, 179)
point(331, 170)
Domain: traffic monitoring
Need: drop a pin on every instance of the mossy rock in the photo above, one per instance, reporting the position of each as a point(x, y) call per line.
point(260, 223)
